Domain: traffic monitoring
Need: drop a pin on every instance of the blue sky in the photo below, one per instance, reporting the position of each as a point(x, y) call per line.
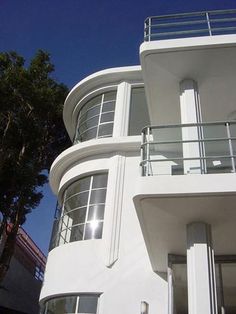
point(83, 36)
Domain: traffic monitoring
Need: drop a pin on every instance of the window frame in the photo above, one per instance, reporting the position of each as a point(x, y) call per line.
point(133, 86)
point(77, 301)
point(99, 92)
point(64, 231)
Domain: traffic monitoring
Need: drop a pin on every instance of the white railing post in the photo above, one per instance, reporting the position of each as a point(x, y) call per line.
point(142, 153)
point(170, 289)
point(149, 28)
point(148, 151)
point(208, 23)
point(230, 146)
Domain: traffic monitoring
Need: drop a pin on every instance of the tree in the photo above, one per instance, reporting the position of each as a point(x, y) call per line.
point(31, 135)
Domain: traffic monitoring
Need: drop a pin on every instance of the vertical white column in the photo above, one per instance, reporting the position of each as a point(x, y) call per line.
point(170, 290)
point(121, 120)
point(201, 270)
point(190, 113)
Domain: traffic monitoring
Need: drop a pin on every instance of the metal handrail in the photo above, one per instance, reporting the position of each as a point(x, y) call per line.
point(148, 142)
point(187, 158)
point(184, 24)
point(164, 126)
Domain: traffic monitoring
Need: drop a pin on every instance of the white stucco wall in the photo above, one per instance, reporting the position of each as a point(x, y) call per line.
point(83, 266)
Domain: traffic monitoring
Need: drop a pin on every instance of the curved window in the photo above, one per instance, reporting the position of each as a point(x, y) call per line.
point(84, 303)
point(96, 117)
point(83, 210)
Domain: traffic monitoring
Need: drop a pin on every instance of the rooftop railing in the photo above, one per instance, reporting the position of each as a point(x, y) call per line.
point(190, 25)
point(199, 148)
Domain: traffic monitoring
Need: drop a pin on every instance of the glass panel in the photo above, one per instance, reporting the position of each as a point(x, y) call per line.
point(232, 128)
point(93, 112)
point(64, 222)
point(229, 287)
point(61, 305)
point(105, 130)
point(78, 215)
point(77, 200)
point(88, 304)
point(139, 116)
point(99, 181)
point(219, 165)
point(218, 148)
point(88, 135)
point(91, 103)
point(76, 212)
point(107, 117)
point(180, 289)
point(87, 124)
point(234, 146)
point(110, 96)
point(76, 233)
point(54, 236)
point(62, 239)
point(167, 134)
point(98, 196)
point(164, 153)
point(173, 150)
point(226, 287)
point(108, 106)
point(88, 119)
point(93, 230)
point(214, 131)
point(96, 212)
point(78, 186)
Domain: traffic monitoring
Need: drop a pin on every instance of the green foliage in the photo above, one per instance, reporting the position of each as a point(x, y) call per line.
point(31, 131)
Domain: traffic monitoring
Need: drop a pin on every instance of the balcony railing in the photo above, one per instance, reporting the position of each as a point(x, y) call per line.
point(199, 148)
point(190, 25)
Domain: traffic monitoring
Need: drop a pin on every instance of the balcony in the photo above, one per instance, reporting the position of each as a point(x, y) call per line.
point(190, 25)
point(188, 174)
point(200, 148)
point(196, 46)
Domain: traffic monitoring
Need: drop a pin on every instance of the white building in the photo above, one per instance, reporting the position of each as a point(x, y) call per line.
point(156, 233)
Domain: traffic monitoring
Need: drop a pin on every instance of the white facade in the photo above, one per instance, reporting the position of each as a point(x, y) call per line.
point(125, 229)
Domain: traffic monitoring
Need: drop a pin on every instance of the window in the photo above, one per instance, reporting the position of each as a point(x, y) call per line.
point(139, 117)
point(84, 303)
point(225, 275)
point(96, 117)
point(83, 210)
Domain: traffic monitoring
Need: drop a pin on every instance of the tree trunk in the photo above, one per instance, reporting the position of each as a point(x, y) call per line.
point(3, 227)
point(8, 250)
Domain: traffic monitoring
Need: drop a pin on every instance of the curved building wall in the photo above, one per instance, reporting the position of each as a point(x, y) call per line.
point(116, 268)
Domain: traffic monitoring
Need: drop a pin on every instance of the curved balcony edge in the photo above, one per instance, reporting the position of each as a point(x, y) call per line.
point(165, 205)
point(185, 185)
point(94, 81)
point(86, 149)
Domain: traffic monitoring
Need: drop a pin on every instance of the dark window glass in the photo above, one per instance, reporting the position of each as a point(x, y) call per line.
point(88, 304)
point(78, 215)
point(77, 200)
point(93, 115)
point(61, 305)
point(107, 117)
point(80, 185)
point(108, 106)
point(98, 196)
point(105, 130)
point(99, 181)
point(139, 116)
point(77, 233)
point(83, 210)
